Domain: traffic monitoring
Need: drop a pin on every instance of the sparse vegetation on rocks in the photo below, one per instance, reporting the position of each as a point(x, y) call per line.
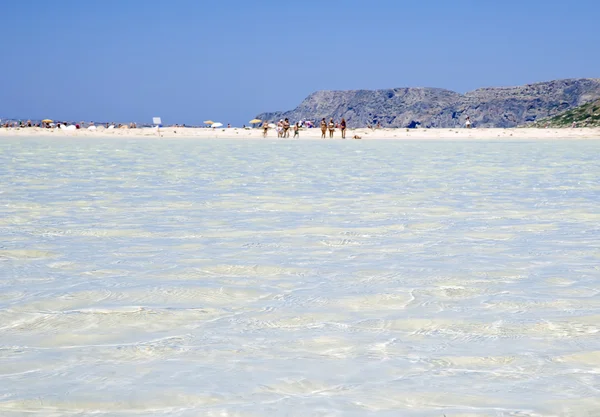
point(586, 115)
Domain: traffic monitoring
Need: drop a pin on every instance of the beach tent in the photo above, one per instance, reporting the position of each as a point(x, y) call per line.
point(217, 124)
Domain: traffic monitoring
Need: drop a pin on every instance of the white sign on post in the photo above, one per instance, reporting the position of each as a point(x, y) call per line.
point(158, 123)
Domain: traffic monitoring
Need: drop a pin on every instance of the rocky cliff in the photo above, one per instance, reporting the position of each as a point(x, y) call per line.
point(435, 107)
point(587, 115)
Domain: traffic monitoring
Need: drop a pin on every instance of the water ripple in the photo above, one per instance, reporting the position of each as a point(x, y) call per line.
point(146, 277)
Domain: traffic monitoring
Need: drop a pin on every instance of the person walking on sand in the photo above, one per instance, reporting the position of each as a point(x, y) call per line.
point(468, 123)
point(343, 127)
point(286, 128)
point(265, 127)
point(323, 128)
point(297, 130)
point(331, 127)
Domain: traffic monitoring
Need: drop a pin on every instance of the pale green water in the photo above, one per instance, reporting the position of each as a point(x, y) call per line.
point(345, 278)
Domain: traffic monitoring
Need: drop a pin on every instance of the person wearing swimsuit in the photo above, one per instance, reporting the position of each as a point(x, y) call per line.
point(331, 127)
point(323, 128)
point(343, 127)
point(265, 127)
point(297, 130)
point(286, 128)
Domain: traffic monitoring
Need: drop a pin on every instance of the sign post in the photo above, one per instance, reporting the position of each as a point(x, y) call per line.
point(158, 123)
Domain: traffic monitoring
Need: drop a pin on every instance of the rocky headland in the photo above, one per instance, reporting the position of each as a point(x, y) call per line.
point(501, 107)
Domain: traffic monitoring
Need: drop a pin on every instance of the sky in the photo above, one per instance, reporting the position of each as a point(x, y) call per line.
point(187, 61)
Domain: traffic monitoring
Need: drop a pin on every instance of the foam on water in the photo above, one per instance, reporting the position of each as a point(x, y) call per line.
point(342, 278)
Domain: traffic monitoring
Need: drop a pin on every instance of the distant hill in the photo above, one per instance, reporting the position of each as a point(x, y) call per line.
point(586, 115)
point(435, 107)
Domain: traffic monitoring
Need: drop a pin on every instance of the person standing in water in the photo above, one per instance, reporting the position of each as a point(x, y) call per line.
point(343, 127)
point(297, 130)
point(323, 128)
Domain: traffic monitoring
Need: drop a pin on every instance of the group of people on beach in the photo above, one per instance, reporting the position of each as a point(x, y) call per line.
point(21, 124)
point(47, 124)
point(332, 126)
point(283, 127)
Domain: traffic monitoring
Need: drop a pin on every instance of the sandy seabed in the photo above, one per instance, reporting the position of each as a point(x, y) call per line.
point(362, 133)
point(190, 276)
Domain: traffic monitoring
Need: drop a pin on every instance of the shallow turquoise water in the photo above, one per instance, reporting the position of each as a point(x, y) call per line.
point(286, 278)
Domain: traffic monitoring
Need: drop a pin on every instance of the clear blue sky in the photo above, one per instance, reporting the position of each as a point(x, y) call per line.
point(228, 60)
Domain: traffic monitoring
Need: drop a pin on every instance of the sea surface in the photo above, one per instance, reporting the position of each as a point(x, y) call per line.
point(186, 278)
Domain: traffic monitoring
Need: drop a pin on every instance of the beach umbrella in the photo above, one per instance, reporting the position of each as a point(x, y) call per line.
point(254, 121)
point(47, 121)
point(208, 122)
point(217, 124)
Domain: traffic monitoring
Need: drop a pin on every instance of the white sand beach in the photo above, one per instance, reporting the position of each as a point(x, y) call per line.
point(315, 133)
